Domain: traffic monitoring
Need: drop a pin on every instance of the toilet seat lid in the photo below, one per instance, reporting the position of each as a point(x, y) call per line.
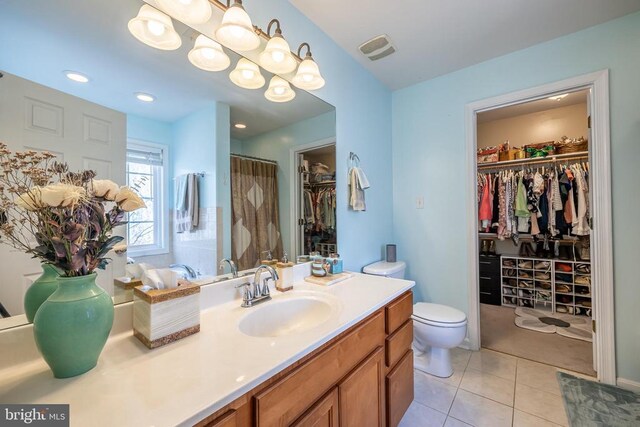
point(438, 313)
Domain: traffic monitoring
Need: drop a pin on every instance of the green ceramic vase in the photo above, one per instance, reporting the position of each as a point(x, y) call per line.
point(40, 290)
point(72, 325)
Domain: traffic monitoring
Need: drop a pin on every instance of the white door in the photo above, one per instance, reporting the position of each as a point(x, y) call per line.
point(300, 205)
point(594, 286)
point(83, 134)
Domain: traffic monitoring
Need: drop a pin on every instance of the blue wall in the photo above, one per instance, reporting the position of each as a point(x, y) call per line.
point(194, 150)
point(429, 161)
point(276, 145)
point(363, 125)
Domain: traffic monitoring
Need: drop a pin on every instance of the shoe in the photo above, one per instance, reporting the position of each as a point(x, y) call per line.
point(556, 249)
point(561, 309)
point(484, 247)
point(563, 267)
point(575, 253)
point(564, 299)
point(513, 283)
point(583, 268)
point(583, 291)
point(491, 250)
point(563, 252)
point(543, 295)
point(526, 264)
point(566, 278)
point(565, 289)
point(509, 300)
point(524, 274)
point(545, 285)
point(583, 280)
point(510, 272)
point(542, 276)
point(587, 312)
point(585, 303)
point(585, 248)
point(542, 265)
point(525, 284)
point(508, 263)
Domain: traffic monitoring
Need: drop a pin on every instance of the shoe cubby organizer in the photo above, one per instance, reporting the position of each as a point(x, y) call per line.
point(547, 284)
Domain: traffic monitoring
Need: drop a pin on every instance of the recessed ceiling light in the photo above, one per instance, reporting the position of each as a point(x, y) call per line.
point(558, 97)
point(145, 97)
point(240, 126)
point(76, 76)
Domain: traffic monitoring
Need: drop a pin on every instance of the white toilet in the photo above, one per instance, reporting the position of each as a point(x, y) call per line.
point(436, 329)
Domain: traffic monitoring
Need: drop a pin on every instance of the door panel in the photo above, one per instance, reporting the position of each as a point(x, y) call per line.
point(322, 414)
point(362, 394)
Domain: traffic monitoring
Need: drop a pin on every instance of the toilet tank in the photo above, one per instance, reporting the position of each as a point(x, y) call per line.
point(386, 269)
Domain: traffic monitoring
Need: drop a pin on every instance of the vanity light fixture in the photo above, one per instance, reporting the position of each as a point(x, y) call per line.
point(308, 76)
point(208, 55)
point(76, 76)
point(145, 97)
point(247, 75)
point(154, 29)
point(240, 126)
point(277, 57)
point(558, 97)
point(187, 11)
point(279, 90)
point(236, 31)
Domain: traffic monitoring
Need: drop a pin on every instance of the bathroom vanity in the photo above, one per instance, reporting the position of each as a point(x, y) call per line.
point(317, 355)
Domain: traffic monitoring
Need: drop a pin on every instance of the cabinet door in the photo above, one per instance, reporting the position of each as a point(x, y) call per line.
point(399, 389)
point(322, 414)
point(229, 419)
point(362, 394)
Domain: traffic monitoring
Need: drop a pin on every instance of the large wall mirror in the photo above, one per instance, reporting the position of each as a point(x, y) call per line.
point(226, 172)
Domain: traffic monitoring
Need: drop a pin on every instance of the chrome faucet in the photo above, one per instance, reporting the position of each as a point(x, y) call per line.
point(191, 273)
point(256, 294)
point(232, 266)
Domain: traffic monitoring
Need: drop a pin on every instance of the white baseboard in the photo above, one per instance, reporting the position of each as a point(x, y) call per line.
point(629, 385)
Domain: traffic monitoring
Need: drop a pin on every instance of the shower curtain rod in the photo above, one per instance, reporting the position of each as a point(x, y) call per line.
point(242, 156)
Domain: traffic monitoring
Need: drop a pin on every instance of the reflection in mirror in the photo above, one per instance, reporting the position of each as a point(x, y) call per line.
point(176, 140)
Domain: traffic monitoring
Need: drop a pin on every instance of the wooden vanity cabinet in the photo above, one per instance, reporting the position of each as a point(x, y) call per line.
point(363, 377)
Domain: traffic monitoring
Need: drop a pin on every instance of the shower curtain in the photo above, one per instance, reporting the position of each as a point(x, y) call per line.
point(254, 210)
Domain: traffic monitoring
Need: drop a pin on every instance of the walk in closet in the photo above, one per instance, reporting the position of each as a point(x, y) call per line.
point(534, 224)
point(318, 168)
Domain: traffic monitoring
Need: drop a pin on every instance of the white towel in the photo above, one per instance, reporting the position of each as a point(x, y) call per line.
point(356, 199)
point(160, 278)
point(362, 179)
point(136, 271)
point(189, 218)
point(181, 192)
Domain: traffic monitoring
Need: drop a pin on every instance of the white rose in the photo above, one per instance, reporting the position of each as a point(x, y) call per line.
point(128, 200)
point(61, 195)
point(105, 189)
point(31, 200)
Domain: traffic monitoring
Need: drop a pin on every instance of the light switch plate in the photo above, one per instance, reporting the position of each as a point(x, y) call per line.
point(420, 202)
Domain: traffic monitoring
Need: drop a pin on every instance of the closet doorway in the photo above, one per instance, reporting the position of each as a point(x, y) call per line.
point(315, 199)
point(541, 277)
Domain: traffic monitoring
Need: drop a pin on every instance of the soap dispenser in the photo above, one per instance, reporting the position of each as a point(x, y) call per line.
point(269, 259)
point(285, 274)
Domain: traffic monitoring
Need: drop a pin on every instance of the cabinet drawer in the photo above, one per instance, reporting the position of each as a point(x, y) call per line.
point(288, 398)
point(489, 264)
point(399, 384)
point(489, 284)
point(398, 343)
point(398, 312)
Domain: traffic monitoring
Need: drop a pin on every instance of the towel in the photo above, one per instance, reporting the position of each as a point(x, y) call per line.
point(181, 192)
point(362, 178)
point(188, 217)
point(160, 278)
point(136, 271)
point(356, 199)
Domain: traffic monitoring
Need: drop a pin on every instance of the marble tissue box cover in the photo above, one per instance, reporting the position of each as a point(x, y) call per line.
point(161, 316)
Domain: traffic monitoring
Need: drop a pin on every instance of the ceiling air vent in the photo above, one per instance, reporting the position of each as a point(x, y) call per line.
point(377, 48)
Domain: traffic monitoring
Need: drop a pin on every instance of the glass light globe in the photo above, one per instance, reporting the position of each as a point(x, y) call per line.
point(187, 11)
point(208, 55)
point(236, 31)
point(154, 29)
point(279, 90)
point(247, 75)
point(308, 76)
point(277, 57)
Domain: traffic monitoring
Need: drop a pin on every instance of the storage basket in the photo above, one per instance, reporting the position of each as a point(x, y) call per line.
point(488, 155)
point(568, 145)
point(542, 149)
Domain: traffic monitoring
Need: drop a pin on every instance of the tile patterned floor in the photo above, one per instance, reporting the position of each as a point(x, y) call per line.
point(488, 388)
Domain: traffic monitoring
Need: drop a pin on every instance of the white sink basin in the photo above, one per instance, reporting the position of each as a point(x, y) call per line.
point(286, 316)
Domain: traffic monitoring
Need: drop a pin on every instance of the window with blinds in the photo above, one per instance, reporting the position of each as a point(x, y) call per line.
point(146, 174)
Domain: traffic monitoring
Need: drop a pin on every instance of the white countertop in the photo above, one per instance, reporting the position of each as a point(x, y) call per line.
point(183, 382)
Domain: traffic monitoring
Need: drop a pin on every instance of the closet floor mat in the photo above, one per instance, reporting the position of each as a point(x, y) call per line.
point(577, 327)
point(500, 333)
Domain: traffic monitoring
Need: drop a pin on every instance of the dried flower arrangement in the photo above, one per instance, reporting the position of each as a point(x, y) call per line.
point(59, 216)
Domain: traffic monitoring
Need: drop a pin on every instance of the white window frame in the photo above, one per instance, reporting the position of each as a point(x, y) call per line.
point(161, 196)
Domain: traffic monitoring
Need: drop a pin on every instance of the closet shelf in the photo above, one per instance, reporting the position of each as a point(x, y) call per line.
point(584, 155)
